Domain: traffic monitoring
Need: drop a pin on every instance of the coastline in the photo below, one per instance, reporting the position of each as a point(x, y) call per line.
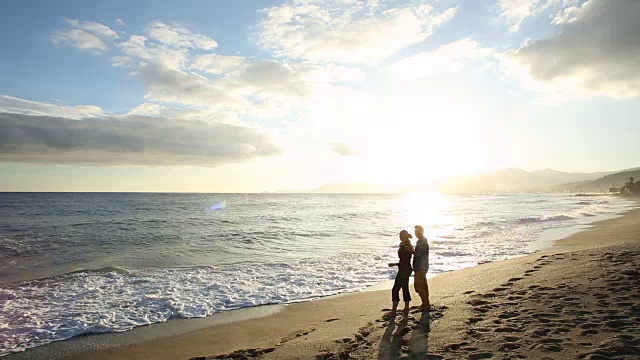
point(304, 330)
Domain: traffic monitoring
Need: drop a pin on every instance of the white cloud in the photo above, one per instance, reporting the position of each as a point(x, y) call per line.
point(120, 22)
point(345, 31)
point(164, 72)
point(10, 104)
point(450, 58)
point(147, 109)
point(342, 149)
point(185, 114)
point(79, 39)
point(219, 64)
point(85, 35)
point(595, 52)
point(140, 52)
point(97, 29)
point(135, 47)
point(121, 61)
point(173, 85)
point(249, 76)
point(516, 11)
point(171, 68)
point(178, 36)
point(128, 141)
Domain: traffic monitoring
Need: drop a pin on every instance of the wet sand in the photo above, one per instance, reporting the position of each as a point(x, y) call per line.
point(578, 300)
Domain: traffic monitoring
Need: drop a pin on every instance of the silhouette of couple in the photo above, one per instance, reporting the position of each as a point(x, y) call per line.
point(420, 266)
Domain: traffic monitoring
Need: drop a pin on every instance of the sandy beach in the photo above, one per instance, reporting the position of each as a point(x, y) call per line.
point(579, 299)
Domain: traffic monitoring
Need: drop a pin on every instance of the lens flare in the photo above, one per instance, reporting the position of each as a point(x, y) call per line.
point(219, 206)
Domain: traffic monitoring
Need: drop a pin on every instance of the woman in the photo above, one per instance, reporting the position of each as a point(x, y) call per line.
point(404, 273)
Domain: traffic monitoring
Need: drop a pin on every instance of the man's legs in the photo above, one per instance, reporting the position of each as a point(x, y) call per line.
point(426, 291)
point(420, 284)
point(416, 282)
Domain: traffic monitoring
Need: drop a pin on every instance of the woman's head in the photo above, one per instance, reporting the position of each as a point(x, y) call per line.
point(419, 231)
point(404, 235)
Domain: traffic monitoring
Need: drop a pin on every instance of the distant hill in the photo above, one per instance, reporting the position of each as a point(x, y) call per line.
point(603, 184)
point(565, 177)
point(505, 181)
point(514, 181)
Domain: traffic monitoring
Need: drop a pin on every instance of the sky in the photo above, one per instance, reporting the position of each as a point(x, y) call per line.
point(250, 96)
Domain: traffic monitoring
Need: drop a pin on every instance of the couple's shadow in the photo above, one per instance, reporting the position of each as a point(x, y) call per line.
point(395, 344)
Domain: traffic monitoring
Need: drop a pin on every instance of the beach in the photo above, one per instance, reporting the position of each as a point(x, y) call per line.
point(577, 299)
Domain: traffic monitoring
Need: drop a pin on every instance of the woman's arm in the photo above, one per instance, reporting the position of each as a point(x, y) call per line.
point(408, 248)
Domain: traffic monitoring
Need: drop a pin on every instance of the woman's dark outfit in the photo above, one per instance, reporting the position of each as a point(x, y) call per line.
point(404, 273)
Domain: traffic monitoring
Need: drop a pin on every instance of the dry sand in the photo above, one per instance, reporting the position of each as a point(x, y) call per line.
point(579, 299)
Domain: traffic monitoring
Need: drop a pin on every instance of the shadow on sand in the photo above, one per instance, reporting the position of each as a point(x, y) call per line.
point(409, 338)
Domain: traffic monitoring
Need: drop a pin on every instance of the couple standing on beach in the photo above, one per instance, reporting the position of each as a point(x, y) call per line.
point(420, 266)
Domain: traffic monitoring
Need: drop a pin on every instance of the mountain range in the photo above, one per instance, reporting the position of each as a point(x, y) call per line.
point(505, 181)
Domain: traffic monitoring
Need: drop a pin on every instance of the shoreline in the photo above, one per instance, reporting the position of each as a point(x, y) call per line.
point(268, 326)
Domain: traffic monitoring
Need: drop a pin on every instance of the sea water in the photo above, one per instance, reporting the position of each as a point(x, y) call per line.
point(75, 263)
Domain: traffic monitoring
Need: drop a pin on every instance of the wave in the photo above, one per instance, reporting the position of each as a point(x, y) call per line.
point(447, 237)
point(77, 301)
point(13, 247)
point(452, 253)
point(485, 223)
point(106, 269)
point(8, 251)
point(537, 219)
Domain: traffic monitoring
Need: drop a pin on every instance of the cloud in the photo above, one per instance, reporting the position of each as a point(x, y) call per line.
point(120, 22)
point(163, 71)
point(594, 52)
point(80, 40)
point(250, 76)
point(128, 141)
point(516, 11)
point(147, 109)
point(449, 58)
point(178, 36)
point(84, 35)
point(20, 106)
point(169, 62)
point(97, 29)
point(220, 64)
point(176, 86)
point(138, 49)
point(247, 84)
point(345, 31)
point(185, 114)
point(342, 149)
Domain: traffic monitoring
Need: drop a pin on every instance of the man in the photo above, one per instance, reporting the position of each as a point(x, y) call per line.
point(421, 266)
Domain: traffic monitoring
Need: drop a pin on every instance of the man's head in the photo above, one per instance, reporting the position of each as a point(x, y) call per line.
point(419, 230)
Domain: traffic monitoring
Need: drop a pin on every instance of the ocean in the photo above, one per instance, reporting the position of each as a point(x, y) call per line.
point(83, 263)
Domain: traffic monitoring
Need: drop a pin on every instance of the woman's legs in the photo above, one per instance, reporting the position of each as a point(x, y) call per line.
point(406, 294)
point(395, 294)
